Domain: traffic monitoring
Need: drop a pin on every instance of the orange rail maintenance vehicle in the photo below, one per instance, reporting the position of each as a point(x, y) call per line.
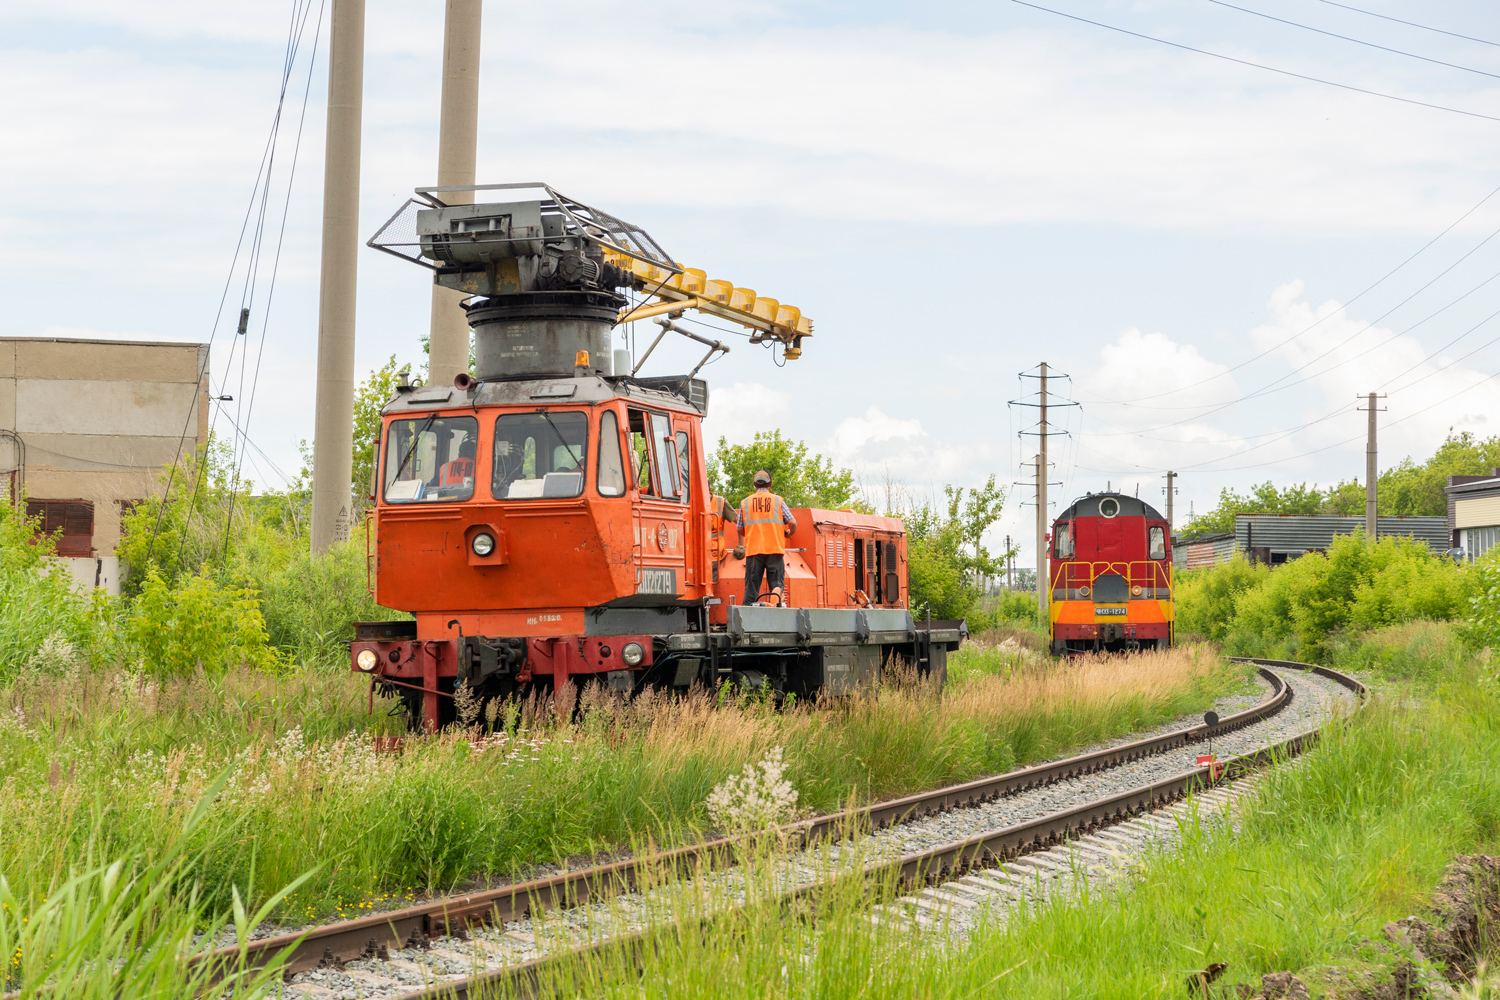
point(1111, 576)
point(549, 519)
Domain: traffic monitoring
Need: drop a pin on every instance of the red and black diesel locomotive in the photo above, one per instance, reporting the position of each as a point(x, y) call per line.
point(549, 519)
point(1110, 570)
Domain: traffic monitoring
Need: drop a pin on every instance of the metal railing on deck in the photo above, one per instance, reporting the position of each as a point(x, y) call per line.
point(1153, 576)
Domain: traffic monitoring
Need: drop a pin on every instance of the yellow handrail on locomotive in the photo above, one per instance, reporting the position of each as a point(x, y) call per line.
point(693, 289)
point(1153, 573)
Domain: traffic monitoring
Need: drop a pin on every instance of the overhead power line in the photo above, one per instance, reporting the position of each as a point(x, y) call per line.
point(1356, 41)
point(1411, 24)
point(1256, 65)
point(1316, 323)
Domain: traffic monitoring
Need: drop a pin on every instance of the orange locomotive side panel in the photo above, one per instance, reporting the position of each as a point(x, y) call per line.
point(834, 559)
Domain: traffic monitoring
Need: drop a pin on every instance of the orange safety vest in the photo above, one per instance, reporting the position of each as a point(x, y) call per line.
point(763, 525)
point(456, 471)
point(716, 507)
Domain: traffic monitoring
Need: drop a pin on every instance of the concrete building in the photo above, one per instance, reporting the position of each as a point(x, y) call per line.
point(86, 426)
point(1277, 538)
point(1474, 513)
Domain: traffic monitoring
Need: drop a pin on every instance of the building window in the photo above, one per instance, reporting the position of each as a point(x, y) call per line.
point(1478, 541)
point(70, 521)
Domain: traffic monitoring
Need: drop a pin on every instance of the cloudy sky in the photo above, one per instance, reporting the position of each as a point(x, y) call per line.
point(1218, 257)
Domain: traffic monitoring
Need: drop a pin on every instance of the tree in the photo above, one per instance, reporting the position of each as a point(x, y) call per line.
point(1405, 488)
point(800, 479)
point(1262, 499)
point(945, 552)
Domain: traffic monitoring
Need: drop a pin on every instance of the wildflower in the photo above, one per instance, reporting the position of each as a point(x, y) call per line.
point(755, 799)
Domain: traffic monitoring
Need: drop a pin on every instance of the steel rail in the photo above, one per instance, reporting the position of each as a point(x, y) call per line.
point(940, 863)
point(364, 937)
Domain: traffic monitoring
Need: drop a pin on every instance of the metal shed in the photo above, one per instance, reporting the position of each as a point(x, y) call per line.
point(1276, 538)
point(1204, 550)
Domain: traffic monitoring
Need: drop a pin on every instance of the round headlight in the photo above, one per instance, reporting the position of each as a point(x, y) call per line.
point(633, 654)
point(366, 659)
point(1136, 591)
point(483, 544)
point(1084, 591)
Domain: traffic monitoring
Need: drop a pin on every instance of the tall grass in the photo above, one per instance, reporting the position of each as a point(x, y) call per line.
point(121, 926)
point(121, 759)
point(1327, 853)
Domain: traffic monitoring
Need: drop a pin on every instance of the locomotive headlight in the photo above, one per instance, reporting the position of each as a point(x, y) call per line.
point(366, 659)
point(483, 544)
point(1136, 591)
point(1084, 591)
point(633, 654)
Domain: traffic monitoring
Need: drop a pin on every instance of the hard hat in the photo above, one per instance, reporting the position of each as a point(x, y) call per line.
point(762, 477)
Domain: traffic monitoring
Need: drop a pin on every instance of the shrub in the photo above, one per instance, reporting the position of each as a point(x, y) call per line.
point(1296, 609)
point(44, 623)
point(1483, 623)
point(198, 624)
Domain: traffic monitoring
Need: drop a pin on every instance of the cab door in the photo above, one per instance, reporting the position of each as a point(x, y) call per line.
point(660, 512)
point(695, 502)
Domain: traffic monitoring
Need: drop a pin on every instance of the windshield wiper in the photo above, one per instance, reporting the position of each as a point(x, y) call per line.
point(415, 438)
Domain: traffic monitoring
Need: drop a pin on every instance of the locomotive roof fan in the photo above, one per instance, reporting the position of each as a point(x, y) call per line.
point(541, 287)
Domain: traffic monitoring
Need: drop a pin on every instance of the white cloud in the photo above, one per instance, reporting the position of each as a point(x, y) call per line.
point(739, 410)
point(1343, 357)
point(880, 447)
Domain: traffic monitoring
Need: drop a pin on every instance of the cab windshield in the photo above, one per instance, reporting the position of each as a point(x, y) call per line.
point(430, 459)
point(540, 456)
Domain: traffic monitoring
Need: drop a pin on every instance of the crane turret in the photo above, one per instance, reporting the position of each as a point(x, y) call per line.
point(545, 275)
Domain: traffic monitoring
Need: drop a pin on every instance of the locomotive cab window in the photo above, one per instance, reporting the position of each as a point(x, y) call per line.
point(641, 465)
point(682, 462)
point(611, 466)
point(430, 459)
point(1158, 543)
point(540, 456)
point(1062, 542)
point(665, 446)
point(654, 449)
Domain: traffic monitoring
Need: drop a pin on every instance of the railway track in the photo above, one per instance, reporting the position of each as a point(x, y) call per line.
point(997, 834)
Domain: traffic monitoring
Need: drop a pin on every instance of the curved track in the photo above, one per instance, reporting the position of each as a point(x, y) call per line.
point(491, 939)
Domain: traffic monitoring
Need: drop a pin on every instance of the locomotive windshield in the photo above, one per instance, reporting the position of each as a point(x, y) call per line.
point(430, 459)
point(540, 455)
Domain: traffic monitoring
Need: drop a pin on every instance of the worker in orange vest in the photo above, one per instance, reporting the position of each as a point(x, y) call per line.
point(765, 522)
point(460, 471)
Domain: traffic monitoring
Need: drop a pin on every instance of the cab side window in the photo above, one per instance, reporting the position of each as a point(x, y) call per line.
point(611, 466)
point(640, 453)
point(1158, 543)
point(682, 463)
point(1062, 542)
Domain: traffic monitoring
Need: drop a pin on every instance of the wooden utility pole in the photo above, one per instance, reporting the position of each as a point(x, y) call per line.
point(333, 426)
point(458, 140)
